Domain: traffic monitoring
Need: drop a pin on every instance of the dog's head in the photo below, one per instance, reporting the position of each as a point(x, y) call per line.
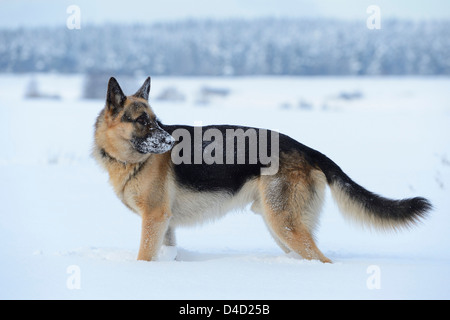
point(127, 129)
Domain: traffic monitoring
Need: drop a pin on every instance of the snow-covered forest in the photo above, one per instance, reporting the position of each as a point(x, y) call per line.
point(268, 46)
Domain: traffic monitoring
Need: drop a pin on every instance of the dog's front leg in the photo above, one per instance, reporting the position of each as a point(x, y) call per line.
point(154, 226)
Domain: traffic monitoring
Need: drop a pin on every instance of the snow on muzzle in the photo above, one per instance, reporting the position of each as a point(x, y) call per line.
point(157, 141)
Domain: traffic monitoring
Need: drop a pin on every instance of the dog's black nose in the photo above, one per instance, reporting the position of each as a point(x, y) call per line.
point(170, 140)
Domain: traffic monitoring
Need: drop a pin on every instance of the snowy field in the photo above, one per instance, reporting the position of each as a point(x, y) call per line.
point(65, 235)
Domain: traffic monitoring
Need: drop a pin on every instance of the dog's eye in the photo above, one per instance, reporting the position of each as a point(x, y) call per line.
point(142, 120)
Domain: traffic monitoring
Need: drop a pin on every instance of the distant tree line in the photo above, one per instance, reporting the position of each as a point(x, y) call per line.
point(233, 47)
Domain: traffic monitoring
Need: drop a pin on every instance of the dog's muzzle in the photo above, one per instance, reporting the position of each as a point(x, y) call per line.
point(158, 141)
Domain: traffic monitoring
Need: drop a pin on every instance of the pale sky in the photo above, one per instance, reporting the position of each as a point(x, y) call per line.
point(14, 13)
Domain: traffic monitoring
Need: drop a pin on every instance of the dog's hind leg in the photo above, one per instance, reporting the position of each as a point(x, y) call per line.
point(278, 241)
point(257, 208)
point(291, 207)
point(294, 235)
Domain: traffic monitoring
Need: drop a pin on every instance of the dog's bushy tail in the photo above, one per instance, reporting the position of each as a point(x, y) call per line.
point(368, 208)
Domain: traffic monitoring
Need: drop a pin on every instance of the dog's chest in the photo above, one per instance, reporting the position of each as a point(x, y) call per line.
point(126, 186)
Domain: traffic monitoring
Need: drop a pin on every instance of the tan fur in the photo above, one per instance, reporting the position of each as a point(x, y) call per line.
point(139, 180)
point(291, 202)
point(154, 225)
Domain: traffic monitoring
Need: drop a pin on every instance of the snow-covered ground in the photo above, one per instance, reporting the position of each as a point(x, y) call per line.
point(65, 235)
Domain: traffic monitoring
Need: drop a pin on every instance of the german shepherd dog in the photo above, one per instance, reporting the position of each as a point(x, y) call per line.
point(137, 151)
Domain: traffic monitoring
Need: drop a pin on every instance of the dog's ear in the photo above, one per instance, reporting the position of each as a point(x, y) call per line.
point(144, 90)
point(114, 97)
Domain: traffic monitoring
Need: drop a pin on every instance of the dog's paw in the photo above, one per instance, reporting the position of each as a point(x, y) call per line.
point(167, 253)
